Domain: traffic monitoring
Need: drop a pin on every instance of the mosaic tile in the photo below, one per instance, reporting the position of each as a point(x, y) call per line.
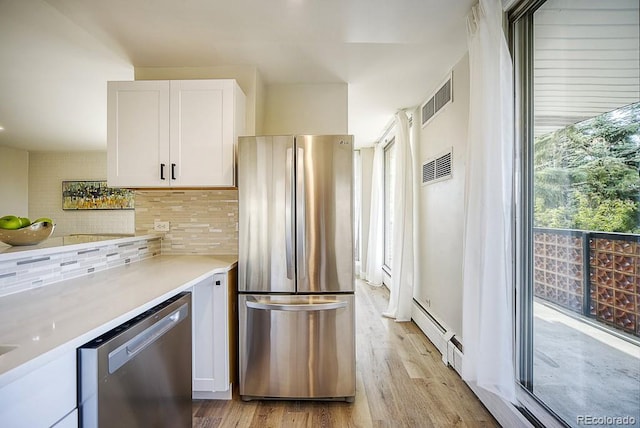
point(625, 320)
point(603, 277)
point(603, 245)
point(563, 253)
point(625, 282)
point(209, 226)
point(626, 264)
point(603, 260)
point(624, 247)
point(605, 312)
point(575, 286)
point(625, 301)
point(552, 279)
point(576, 303)
point(574, 270)
point(23, 274)
point(575, 255)
point(605, 295)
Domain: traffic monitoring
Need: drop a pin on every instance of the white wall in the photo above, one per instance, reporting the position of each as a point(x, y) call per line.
point(47, 171)
point(306, 109)
point(14, 182)
point(441, 207)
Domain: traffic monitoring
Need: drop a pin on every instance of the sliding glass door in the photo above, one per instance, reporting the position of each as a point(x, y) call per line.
point(578, 109)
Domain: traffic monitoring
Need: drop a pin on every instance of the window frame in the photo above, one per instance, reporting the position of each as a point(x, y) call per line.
point(389, 145)
point(520, 27)
point(521, 45)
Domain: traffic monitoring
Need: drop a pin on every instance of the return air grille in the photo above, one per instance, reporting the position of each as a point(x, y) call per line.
point(428, 110)
point(441, 98)
point(443, 166)
point(437, 169)
point(428, 171)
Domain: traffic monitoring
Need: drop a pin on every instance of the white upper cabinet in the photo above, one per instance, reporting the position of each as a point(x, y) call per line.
point(173, 133)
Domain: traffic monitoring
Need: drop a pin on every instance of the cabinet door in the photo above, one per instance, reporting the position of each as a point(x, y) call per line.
point(211, 335)
point(202, 133)
point(42, 397)
point(138, 134)
point(69, 421)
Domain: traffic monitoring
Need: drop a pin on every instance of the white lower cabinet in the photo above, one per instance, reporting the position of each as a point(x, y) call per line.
point(214, 323)
point(45, 397)
point(70, 421)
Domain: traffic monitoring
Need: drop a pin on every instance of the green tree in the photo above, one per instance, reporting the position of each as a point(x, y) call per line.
point(587, 175)
point(608, 215)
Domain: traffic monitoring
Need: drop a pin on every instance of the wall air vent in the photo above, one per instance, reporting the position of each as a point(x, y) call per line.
point(443, 166)
point(428, 110)
point(442, 97)
point(438, 168)
point(428, 171)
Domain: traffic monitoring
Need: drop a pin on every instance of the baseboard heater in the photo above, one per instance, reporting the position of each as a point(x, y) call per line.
point(451, 350)
point(442, 338)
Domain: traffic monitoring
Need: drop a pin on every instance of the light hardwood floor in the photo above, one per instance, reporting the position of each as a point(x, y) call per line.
point(401, 382)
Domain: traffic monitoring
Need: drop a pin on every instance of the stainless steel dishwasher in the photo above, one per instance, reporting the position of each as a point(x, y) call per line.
point(139, 374)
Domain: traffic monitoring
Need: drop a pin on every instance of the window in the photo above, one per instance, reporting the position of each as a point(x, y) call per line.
point(389, 180)
point(578, 100)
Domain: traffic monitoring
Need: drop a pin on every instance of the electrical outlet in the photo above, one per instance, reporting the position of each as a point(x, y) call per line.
point(161, 226)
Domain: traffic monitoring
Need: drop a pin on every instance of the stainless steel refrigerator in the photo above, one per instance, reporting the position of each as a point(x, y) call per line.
point(295, 267)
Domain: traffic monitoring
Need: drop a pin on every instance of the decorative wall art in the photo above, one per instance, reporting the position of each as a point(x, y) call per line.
point(95, 195)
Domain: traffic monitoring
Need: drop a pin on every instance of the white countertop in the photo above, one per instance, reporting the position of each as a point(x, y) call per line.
point(46, 322)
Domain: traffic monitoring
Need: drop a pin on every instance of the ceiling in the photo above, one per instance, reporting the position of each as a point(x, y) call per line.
point(57, 55)
point(586, 60)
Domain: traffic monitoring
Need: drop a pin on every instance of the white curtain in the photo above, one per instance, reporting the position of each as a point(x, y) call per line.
point(402, 263)
point(487, 266)
point(375, 246)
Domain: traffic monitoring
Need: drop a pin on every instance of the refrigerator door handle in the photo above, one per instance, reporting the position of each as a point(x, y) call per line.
point(301, 219)
point(289, 214)
point(304, 307)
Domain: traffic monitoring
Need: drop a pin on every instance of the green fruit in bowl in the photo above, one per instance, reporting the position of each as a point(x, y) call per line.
point(25, 222)
point(43, 220)
point(10, 222)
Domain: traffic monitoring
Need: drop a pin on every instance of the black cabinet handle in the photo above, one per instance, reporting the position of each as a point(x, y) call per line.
point(173, 171)
point(161, 171)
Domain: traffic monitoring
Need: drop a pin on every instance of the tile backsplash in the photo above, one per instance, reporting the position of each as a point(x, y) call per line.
point(23, 273)
point(200, 221)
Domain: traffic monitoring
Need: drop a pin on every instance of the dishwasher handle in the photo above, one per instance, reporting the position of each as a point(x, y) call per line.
point(128, 350)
